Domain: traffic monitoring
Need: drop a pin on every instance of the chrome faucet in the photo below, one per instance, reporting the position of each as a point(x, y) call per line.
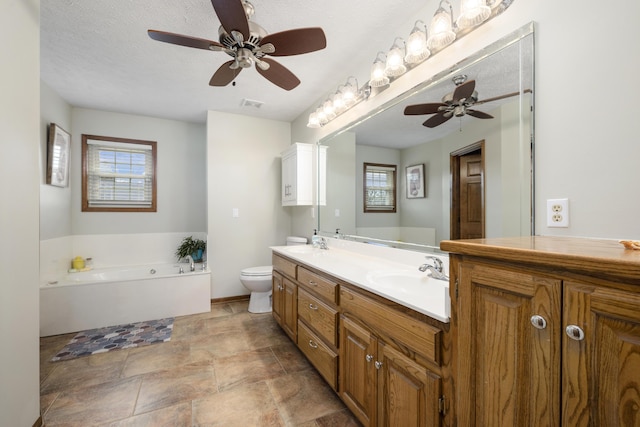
point(192, 264)
point(322, 243)
point(436, 270)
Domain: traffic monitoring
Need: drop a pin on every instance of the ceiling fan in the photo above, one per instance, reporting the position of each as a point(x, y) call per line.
point(454, 104)
point(248, 43)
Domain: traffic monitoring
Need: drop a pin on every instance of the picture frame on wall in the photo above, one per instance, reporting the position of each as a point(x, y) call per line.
point(415, 181)
point(58, 150)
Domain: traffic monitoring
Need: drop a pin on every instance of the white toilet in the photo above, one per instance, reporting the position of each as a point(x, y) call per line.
point(258, 281)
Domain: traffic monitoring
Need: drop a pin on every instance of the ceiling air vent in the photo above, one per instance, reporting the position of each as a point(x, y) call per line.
point(251, 103)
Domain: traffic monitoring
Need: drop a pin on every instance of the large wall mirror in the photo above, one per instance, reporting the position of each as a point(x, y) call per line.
point(475, 169)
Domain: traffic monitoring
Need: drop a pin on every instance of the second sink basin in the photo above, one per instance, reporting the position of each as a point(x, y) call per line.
point(405, 281)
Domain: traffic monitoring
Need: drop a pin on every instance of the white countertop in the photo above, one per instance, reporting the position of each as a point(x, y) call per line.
point(392, 275)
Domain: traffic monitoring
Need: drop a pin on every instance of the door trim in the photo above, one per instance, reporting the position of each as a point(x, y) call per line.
point(454, 164)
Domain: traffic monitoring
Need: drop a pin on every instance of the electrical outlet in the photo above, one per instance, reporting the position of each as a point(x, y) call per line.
point(558, 213)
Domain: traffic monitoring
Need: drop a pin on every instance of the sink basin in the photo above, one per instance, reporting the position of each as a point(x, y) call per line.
point(302, 249)
point(398, 279)
point(406, 282)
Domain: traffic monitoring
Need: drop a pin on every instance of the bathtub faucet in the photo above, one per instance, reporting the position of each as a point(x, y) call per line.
point(436, 270)
point(192, 265)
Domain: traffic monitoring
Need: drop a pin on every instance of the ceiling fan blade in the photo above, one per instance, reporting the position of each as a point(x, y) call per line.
point(297, 41)
point(496, 98)
point(479, 114)
point(419, 109)
point(232, 16)
point(225, 74)
point(279, 75)
point(464, 91)
point(182, 40)
point(437, 120)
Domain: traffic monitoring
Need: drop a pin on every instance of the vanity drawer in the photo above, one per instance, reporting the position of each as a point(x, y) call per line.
point(284, 266)
point(319, 354)
point(318, 315)
point(320, 284)
point(406, 330)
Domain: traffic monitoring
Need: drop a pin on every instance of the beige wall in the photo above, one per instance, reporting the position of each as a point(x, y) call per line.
point(244, 172)
point(19, 185)
point(181, 174)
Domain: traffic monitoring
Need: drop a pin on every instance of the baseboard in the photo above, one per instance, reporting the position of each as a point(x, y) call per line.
point(230, 299)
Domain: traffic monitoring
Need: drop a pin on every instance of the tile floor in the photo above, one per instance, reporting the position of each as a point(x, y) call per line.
point(224, 368)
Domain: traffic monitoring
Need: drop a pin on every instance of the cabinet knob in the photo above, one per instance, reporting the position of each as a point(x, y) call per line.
point(312, 283)
point(538, 321)
point(312, 344)
point(369, 357)
point(313, 306)
point(378, 365)
point(575, 332)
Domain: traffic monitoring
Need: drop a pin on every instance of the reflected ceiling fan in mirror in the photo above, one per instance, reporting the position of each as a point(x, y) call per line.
point(454, 104)
point(248, 43)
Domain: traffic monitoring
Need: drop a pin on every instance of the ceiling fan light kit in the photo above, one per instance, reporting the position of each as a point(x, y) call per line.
point(423, 43)
point(248, 44)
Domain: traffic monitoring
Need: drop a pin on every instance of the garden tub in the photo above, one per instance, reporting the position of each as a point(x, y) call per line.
point(118, 295)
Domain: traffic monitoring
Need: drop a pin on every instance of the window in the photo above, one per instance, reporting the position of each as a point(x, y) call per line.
point(118, 175)
point(379, 188)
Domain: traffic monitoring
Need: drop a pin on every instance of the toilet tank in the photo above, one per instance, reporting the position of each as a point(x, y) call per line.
point(293, 241)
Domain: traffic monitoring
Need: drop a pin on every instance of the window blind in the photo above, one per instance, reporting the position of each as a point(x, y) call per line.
point(380, 188)
point(119, 174)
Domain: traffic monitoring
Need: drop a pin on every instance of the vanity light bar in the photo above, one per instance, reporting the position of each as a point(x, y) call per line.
point(402, 57)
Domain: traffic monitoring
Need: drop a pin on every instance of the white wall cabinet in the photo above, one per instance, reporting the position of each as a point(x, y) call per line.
point(303, 166)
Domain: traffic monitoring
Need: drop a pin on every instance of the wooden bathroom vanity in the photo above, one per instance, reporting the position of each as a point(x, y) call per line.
point(544, 331)
point(386, 362)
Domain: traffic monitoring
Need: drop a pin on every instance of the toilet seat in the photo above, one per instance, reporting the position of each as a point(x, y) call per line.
point(265, 270)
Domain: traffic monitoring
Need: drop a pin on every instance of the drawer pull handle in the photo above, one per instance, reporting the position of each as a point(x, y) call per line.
point(312, 283)
point(378, 364)
point(313, 307)
point(575, 332)
point(312, 344)
point(369, 357)
point(538, 321)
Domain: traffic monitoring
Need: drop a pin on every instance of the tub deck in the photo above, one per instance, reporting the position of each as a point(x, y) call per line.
point(72, 306)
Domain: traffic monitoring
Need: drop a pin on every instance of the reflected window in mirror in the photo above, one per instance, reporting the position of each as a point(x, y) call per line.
point(379, 187)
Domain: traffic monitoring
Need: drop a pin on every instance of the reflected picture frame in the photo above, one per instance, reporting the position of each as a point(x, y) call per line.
point(58, 150)
point(414, 181)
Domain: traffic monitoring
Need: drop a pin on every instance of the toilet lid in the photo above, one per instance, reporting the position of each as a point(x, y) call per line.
point(264, 270)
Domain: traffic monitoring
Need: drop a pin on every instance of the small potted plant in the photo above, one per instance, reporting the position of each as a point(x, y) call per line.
point(193, 247)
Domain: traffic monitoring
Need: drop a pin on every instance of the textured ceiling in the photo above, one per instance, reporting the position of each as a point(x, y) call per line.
point(97, 54)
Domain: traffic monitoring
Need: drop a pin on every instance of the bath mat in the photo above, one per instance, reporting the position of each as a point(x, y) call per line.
point(110, 338)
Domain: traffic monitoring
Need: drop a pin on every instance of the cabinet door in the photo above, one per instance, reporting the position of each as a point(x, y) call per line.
point(277, 296)
point(508, 369)
point(601, 369)
point(408, 393)
point(288, 178)
point(357, 373)
point(290, 309)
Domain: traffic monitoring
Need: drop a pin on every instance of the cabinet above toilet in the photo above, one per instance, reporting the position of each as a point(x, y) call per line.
point(303, 175)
